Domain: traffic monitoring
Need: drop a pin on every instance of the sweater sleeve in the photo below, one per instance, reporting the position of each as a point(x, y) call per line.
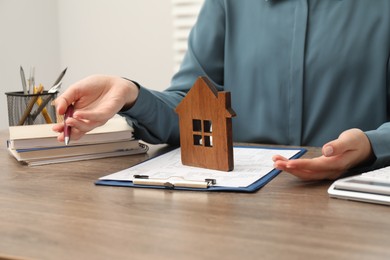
point(380, 142)
point(153, 116)
point(380, 138)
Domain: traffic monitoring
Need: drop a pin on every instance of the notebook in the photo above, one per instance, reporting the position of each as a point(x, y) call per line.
point(372, 186)
point(38, 144)
point(36, 136)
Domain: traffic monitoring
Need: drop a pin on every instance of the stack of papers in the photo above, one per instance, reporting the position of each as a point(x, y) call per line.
point(38, 145)
point(253, 168)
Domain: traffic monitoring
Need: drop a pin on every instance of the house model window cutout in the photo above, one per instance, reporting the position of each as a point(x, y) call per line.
point(205, 121)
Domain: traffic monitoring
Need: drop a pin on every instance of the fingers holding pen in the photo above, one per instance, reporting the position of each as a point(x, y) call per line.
point(79, 127)
point(79, 123)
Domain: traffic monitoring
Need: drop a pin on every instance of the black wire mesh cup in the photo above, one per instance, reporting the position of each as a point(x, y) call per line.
point(30, 109)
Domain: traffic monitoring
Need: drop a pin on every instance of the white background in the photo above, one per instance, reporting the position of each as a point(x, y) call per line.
point(129, 38)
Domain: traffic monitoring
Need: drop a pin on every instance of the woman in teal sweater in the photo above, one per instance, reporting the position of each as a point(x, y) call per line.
point(300, 72)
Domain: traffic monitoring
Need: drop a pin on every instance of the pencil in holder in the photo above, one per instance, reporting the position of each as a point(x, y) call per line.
point(30, 109)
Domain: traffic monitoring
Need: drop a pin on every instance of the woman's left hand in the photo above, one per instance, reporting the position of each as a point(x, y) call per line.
point(351, 149)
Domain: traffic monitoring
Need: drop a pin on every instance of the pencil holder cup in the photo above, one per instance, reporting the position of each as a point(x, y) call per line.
point(30, 109)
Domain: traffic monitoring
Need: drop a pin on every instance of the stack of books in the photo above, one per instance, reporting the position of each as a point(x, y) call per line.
point(38, 145)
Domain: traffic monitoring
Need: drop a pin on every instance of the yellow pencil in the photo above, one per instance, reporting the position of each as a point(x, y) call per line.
point(45, 114)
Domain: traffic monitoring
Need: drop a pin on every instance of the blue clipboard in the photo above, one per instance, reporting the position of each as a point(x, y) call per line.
point(255, 186)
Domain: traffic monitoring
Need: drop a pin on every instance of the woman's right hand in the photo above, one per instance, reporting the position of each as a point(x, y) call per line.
point(96, 99)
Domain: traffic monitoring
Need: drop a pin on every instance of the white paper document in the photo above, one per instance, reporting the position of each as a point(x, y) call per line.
point(250, 164)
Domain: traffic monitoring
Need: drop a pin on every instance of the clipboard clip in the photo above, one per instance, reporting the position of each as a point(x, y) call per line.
point(173, 182)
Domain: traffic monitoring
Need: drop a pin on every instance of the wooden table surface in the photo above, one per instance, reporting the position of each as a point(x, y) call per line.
point(56, 212)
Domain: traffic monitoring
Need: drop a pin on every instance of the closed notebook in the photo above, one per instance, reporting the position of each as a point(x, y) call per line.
point(37, 136)
point(72, 150)
point(142, 148)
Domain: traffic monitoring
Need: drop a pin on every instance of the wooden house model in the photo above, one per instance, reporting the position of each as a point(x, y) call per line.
point(205, 121)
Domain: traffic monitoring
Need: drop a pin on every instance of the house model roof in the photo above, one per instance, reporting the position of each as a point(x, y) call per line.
point(204, 94)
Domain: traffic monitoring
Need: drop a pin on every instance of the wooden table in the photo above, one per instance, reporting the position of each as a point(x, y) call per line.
point(56, 212)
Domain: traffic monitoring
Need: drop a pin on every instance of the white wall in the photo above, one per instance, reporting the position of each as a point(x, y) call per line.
point(28, 32)
point(130, 38)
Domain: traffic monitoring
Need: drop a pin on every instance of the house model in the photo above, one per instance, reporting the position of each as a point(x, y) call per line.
point(205, 121)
